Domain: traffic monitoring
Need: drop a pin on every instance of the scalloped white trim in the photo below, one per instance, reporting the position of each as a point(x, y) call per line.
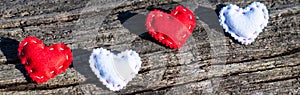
point(243, 26)
point(102, 60)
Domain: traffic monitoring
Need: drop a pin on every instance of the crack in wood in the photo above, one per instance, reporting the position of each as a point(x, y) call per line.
point(289, 52)
point(246, 68)
point(28, 87)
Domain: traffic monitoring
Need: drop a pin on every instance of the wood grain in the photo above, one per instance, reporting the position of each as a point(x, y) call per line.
point(211, 62)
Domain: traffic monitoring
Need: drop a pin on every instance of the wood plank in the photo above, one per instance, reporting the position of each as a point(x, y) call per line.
point(211, 62)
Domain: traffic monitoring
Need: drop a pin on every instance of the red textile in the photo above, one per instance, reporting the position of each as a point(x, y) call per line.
point(172, 29)
point(43, 62)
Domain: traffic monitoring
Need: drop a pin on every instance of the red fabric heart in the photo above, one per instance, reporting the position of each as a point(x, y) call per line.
point(172, 29)
point(42, 62)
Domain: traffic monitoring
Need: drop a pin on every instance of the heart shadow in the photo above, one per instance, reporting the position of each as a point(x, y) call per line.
point(81, 64)
point(9, 48)
point(217, 11)
point(211, 18)
point(135, 23)
point(219, 8)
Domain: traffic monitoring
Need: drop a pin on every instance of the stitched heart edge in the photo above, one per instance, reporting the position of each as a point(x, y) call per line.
point(33, 40)
point(168, 41)
point(94, 66)
point(241, 39)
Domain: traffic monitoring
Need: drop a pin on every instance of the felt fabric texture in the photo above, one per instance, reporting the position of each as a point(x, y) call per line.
point(42, 62)
point(244, 25)
point(172, 29)
point(115, 71)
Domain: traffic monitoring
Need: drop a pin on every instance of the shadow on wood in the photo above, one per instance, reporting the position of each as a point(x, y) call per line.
point(9, 47)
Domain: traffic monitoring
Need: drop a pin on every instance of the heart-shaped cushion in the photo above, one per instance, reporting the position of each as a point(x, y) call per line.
point(244, 25)
point(115, 71)
point(172, 29)
point(42, 62)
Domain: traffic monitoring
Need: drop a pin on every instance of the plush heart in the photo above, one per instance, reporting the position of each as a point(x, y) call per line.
point(115, 71)
point(244, 24)
point(42, 62)
point(172, 29)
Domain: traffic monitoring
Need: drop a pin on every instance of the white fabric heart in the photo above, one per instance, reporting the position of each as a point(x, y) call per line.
point(115, 71)
point(244, 24)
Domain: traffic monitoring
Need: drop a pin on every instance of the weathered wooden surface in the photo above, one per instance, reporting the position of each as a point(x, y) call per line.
point(211, 62)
